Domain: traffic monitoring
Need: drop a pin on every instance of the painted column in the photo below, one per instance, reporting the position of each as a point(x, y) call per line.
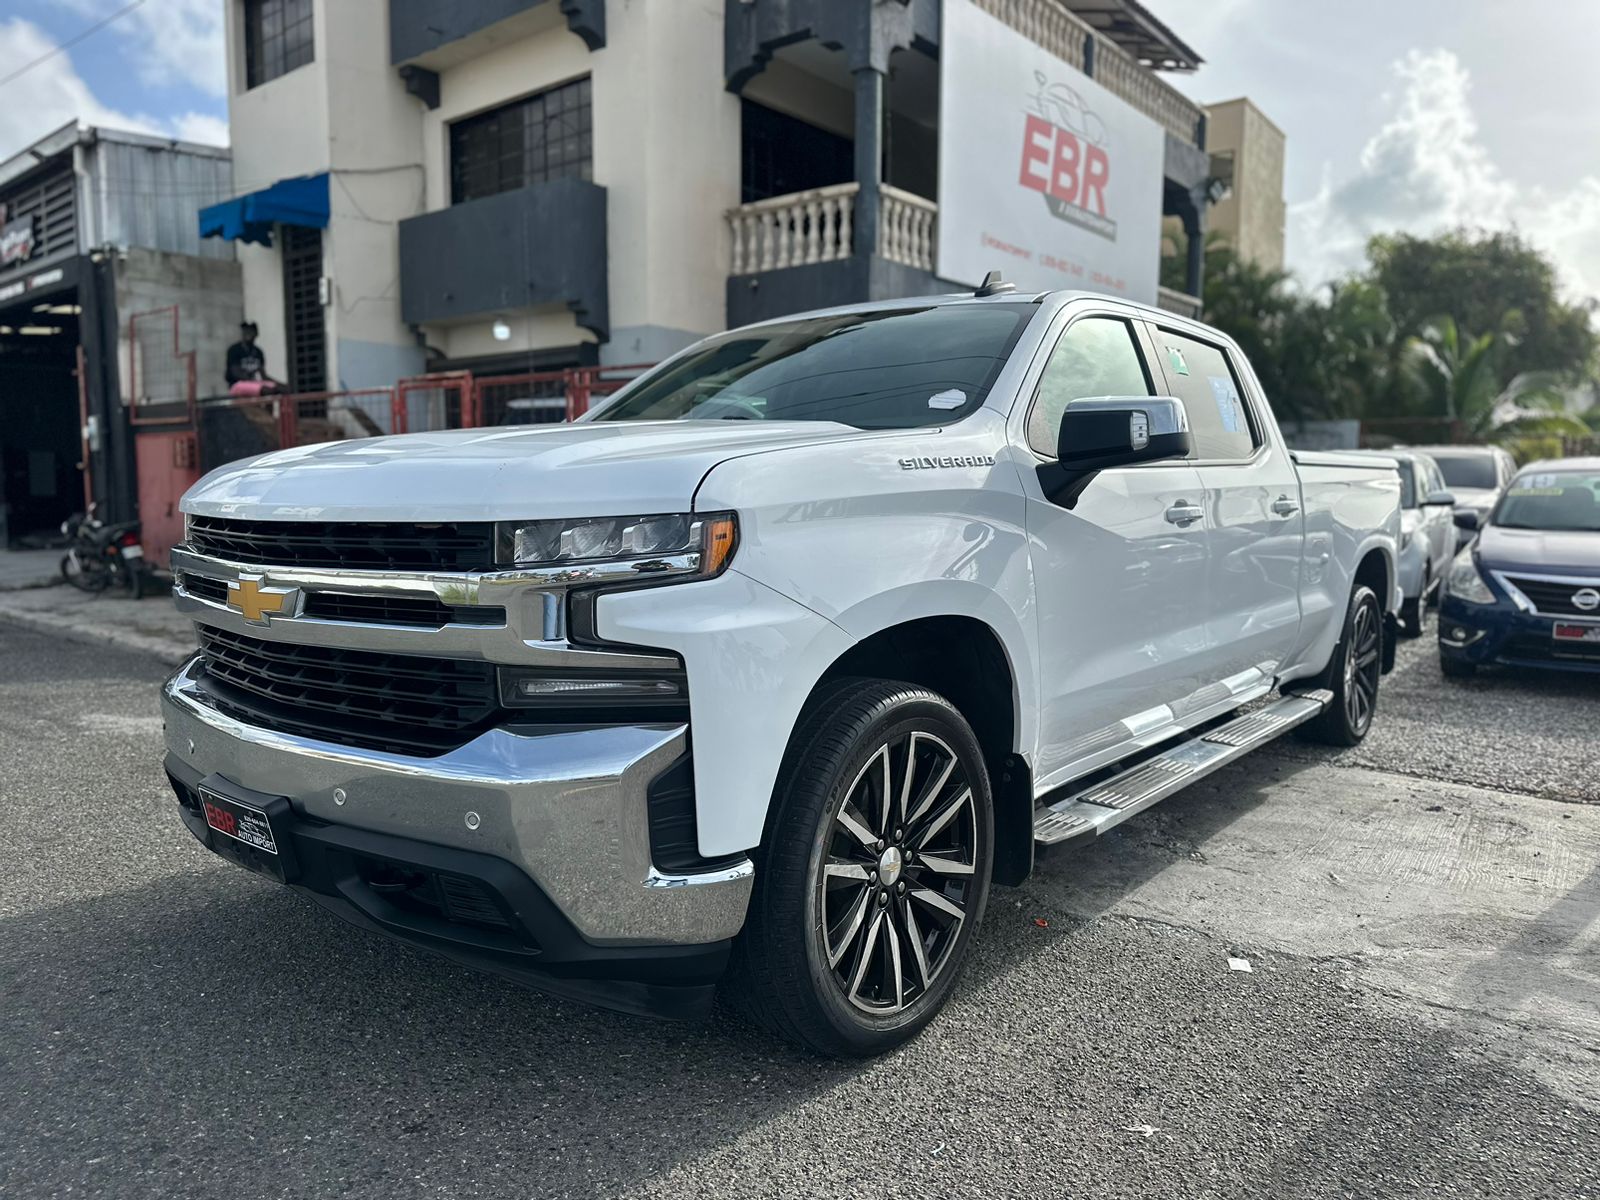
point(869, 157)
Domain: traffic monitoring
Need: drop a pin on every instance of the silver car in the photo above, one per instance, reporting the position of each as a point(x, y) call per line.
point(1427, 534)
point(1476, 475)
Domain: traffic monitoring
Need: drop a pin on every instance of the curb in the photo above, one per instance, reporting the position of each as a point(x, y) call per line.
point(169, 650)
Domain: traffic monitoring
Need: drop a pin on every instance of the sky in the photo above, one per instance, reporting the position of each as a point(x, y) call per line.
point(1416, 115)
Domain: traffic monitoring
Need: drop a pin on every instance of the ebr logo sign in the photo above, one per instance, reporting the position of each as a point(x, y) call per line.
point(1064, 158)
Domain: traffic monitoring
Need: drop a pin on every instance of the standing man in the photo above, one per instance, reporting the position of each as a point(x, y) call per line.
point(247, 365)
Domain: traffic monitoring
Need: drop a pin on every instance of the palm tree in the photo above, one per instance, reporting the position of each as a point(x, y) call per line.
point(1461, 373)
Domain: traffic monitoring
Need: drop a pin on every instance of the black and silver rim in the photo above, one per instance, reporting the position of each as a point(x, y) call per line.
point(1361, 668)
point(898, 872)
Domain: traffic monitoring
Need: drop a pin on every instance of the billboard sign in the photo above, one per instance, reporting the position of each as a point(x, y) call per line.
point(17, 237)
point(1043, 173)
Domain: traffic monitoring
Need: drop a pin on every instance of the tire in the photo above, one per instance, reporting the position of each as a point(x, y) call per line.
point(1457, 668)
point(91, 581)
point(855, 939)
point(1352, 675)
point(1414, 615)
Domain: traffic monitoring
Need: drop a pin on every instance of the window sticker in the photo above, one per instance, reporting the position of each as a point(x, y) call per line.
point(1229, 406)
point(1175, 357)
point(1540, 481)
point(952, 398)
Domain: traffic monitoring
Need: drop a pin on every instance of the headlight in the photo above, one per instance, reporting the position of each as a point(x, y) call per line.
point(1464, 581)
point(683, 544)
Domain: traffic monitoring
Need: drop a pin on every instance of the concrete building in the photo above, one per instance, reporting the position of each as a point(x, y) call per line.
point(505, 185)
point(97, 228)
point(1247, 152)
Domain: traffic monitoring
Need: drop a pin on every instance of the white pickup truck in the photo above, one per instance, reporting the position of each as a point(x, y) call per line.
point(763, 672)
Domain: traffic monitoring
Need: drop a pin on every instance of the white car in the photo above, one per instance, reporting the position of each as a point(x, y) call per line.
point(1427, 534)
point(773, 663)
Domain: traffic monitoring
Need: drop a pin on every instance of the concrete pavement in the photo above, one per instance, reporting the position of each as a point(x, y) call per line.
point(1418, 1019)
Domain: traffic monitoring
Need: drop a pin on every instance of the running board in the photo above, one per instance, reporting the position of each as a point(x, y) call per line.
point(1102, 806)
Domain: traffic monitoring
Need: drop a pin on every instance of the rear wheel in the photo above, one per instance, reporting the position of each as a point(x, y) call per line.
point(875, 872)
point(1352, 675)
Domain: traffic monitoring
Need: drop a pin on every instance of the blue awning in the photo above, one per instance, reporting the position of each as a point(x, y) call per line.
point(302, 201)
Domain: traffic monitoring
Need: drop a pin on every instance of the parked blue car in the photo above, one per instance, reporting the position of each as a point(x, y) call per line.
point(1527, 591)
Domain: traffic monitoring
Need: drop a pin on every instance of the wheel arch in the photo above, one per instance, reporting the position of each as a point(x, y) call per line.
point(967, 662)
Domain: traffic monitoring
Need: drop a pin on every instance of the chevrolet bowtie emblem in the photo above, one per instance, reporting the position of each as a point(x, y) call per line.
point(259, 604)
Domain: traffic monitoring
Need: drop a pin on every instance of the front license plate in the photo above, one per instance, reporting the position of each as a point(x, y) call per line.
point(244, 834)
point(1577, 633)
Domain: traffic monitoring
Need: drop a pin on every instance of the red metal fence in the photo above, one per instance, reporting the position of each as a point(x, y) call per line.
point(161, 376)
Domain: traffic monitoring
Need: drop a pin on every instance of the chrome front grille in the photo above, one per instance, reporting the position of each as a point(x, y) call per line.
point(1553, 597)
point(346, 545)
point(405, 704)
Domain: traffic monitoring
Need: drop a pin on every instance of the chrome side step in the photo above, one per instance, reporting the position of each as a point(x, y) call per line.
point(1104, 805)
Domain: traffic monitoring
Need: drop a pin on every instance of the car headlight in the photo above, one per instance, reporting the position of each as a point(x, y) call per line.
point(692, 545)
point(1465, 582)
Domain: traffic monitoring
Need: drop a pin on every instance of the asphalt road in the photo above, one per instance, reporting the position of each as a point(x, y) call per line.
point(1420, 1019)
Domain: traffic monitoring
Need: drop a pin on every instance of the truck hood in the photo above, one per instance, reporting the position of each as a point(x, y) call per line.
point(589, 469)
point(1546, 551)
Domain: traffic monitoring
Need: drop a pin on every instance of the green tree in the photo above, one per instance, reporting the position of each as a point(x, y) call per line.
point(1481, 279)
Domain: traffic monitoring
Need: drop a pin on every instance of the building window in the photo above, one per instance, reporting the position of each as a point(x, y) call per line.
point(533, 140)
point(277, 38)
point(780, 155)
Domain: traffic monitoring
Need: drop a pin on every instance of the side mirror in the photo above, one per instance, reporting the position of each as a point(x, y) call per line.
point(1467, 519)
point(1101, 432)
point(1447, 499)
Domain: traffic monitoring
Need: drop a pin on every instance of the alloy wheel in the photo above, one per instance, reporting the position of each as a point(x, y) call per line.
point(898, 873)
point(1361, 668)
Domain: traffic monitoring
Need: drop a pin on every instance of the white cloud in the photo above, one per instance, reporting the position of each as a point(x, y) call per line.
point(53, 93)
point(168, 41)
point(1427, 170)
point(49, 95)
point(201, 127)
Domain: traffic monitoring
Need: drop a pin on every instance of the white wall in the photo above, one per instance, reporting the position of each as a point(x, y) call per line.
point(347, 113)
point(666, 149)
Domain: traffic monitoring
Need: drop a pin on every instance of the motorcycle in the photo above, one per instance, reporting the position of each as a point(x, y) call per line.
point(100, 555)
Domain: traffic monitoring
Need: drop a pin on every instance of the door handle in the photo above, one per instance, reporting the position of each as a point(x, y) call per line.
point(1184, 513)
point(1285, 507)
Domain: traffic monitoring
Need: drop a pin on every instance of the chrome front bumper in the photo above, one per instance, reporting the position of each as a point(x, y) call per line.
point(566, 806)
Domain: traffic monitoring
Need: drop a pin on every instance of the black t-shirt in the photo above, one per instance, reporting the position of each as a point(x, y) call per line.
point(246, 362)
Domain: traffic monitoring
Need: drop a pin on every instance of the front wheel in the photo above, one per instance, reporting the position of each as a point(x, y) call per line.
point(1352, 674)
point(87, 575)
point(875, 872)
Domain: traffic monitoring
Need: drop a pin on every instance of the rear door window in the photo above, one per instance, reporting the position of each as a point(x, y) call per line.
point(1200, 374)
point(1096, 356)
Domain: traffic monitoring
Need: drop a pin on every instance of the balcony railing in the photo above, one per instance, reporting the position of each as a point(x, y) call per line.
point(816, 227)
point(1066, 36)
point(906, 228)
point(792, 230)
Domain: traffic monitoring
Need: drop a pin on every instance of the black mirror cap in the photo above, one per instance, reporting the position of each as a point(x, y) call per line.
point(1101, 432)
point(1442, 499)
point(1467, 518)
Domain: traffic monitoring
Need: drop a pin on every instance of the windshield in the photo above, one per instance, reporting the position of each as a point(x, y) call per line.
point(1555, 500)
point(1466, 470)
point(893, 369)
